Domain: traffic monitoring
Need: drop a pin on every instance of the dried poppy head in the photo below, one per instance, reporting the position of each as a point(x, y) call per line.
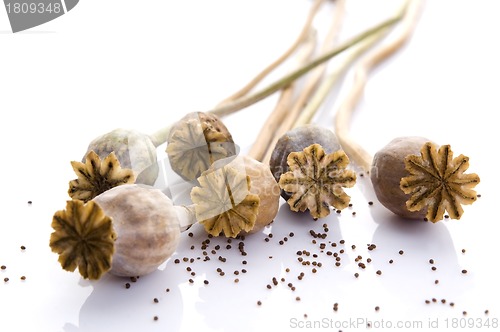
point(195, 142)
point(414, 178)
point(237, 196)
point(127, 231)
point(133, 150)
point(315, 175)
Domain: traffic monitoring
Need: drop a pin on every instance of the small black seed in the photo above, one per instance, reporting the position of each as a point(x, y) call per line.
point(23, 248)
point(155, 317)
point(464, 271)
point(23, 277)
point(259, 303)
point(401, 252)
point(127, 285)
point(155, 300)
point(206, 282)
point(3, 267)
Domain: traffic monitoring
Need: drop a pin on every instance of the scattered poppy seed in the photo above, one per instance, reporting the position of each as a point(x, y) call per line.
point(356, 274)
point(23, 277)
point(155, 317)
point(3, 267)
point(478, 195)
point(177, 261)
point(5, 279)
point(436, 281)
point(190, 234)
point(377, 308)
point(401, 252)
point(464, 313)
point(464, 271)
point(427, 301)
point(452, 304)
point(434, 300)
point(30, 202)
point(23, 248)
point(443, 301)
point(379, 272)
point(236, 280)
point(127, 285)
point(353, 213)
point(133, 279)
point(463, 251)
point(353, 247)
point(486, 312)
point(206, 282)
point(269, 286)
point(259, 303)
point(391, 261)
point(155, 300)
point(167, 290)
point(191, 281)
point(431, 261)
point(368, 260)
point(370, 203)
point(433, 268)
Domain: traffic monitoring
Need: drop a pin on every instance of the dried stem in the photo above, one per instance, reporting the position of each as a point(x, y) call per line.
point(298, 41)
point(161, 136)
point(333, 78)
point(346, 108)
point(277, 116)
point(312, 82)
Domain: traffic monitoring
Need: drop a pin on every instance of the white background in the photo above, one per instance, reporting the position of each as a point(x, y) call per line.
point(144, 64)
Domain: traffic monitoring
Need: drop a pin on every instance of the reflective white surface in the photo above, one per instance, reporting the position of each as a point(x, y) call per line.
point(144, 65)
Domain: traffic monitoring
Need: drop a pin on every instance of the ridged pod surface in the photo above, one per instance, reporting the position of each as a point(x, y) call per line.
point(146, 225)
